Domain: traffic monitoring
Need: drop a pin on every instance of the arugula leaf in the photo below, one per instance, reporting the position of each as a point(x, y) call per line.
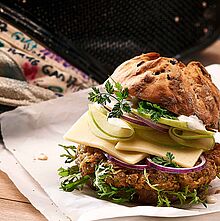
point(71, 177)
point(105, 191)
point(168, 162)
point(114, 91)
point(155, 111)
point(70, 157)
point(164, 196)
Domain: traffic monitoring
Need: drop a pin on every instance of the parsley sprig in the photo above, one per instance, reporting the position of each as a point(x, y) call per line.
point(167, 162)
point(112, 91)
point(155, 111)
point(183, 196)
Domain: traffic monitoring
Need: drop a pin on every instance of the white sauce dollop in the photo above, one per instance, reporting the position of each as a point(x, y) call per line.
point(118, 122)
point(193, 122)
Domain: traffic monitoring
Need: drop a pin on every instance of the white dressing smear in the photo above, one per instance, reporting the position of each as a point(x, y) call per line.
point(193, 122)
point(118, 122)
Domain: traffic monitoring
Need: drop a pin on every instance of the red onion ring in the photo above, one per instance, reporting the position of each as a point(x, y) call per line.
point(157, 126)
point(199, 167)
point(123, 164)
point(151, 164)
point(136, 119)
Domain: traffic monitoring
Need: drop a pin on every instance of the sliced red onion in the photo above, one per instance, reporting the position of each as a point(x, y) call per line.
point(151, 164)
point(123, 164)
point(199, 167)
point(150, 123)
point(136, 119)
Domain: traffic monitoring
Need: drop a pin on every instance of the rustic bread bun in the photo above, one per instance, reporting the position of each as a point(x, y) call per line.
point(184, 90)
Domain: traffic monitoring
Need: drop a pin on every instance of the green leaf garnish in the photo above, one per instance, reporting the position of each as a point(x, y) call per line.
point(71, 177)
point(167, 162)
point(155, 111)
point(70, 153)
point(164, 196)
point(106, 191)
point(114, 91)
point(109, 87)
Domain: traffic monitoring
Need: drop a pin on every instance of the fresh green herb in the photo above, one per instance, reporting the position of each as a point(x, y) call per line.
point(164, 196)
point(71, 177)
point(167, 162)
point(155, 111)
point(105, 191)
point(115, 91)
point(71, 152)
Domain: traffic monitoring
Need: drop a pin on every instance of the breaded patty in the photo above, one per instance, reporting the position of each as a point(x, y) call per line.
point(183, 90)
point(88, 158)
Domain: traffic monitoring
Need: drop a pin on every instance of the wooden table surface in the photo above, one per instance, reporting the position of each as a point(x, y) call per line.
point(15, 207)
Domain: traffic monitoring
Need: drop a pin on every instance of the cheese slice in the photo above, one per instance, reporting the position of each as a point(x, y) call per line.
point(186, 157)
point(80, 133)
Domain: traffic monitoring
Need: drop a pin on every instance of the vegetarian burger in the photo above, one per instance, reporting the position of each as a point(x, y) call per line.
point(148, 135)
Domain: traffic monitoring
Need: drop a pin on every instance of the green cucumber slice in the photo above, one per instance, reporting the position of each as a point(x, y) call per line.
point(136, 126)
point(96, 131)
point(206, 143)
point(121, 131)
point(174, 123)
point(189, 135)
point(157, 137)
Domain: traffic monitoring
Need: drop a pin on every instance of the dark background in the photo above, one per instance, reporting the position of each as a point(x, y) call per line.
point(96, 36)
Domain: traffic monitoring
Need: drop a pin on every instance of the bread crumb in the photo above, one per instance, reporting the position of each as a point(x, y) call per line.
point(42, 156)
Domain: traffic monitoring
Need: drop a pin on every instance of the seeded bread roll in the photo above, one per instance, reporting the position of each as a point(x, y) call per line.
point(183, 90)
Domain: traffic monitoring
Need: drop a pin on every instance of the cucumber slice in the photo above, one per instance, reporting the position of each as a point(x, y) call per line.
point(174, 123)
point(96, 131)
point(162, 120)
point(189, 135)
point(121, 131)
point(206, 143)
point(157, 137)
point(136, 126)
point(101, 108)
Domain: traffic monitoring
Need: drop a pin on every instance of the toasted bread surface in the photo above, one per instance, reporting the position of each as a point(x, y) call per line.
point(181, 89)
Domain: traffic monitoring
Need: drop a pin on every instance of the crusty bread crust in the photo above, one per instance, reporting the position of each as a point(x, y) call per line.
point(184, 90)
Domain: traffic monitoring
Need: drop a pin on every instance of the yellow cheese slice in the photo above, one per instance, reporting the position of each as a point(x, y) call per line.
point(186, 157)
point(80, 133)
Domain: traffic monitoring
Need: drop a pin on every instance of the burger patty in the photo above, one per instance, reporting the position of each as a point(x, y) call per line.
point(88, 158)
